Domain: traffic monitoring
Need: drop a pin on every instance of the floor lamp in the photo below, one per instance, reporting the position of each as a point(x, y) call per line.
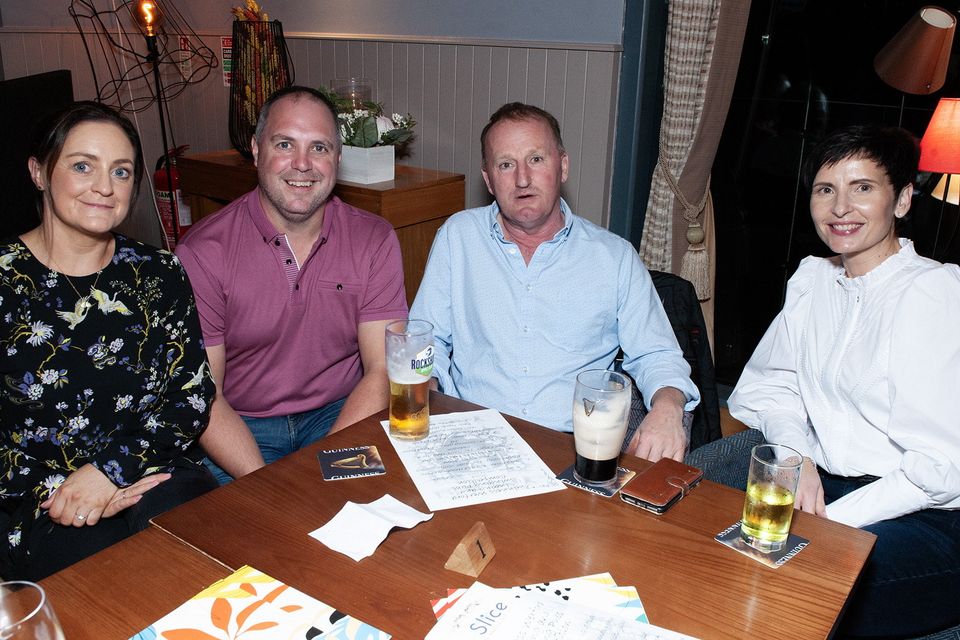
point(131, 81)
point(148, 17)
point(117, 63)
point(940, 153)
point(915, 60)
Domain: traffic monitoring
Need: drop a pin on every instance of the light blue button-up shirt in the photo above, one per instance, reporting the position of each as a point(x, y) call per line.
point(513, 336)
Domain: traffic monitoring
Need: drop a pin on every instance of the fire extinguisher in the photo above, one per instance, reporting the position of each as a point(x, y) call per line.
point(175, 224)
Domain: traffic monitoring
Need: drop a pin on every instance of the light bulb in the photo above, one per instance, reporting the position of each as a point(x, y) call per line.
point(148, 16)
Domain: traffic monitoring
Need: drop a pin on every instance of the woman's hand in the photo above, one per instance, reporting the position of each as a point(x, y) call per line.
point(129, 496)
point(81, 499)
point(88, 495)
point(809, 496)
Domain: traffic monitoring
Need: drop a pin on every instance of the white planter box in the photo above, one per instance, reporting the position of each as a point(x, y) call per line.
point(366, 165)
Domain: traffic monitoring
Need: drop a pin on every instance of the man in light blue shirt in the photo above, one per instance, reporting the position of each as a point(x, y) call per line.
point(523, 295)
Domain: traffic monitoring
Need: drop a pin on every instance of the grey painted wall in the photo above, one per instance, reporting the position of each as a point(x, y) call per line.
point(451, 87)
point(575, 21)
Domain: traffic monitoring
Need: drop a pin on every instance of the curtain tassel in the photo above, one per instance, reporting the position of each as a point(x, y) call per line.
point(695, 265)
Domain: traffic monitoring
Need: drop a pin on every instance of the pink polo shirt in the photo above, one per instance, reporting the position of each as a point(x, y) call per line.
point(289, 333)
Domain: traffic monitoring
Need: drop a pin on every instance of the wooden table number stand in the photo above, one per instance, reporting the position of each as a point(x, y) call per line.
point(473, 552)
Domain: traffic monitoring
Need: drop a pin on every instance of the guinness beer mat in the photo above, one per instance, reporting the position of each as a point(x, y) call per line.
point(353, 462)
point(776, 559)
point(623, 477)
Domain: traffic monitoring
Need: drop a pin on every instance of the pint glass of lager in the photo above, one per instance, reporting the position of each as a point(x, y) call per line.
point(601, 406)
point(771, 486)
point(409, 365)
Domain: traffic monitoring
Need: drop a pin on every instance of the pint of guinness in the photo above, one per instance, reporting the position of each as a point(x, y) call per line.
point(601, 407)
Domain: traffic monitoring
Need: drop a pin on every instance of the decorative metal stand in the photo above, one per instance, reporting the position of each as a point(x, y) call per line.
point(261, 65)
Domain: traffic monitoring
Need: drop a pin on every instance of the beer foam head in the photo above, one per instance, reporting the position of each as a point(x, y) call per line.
point(405, 375)
point(599, 435)
point(608, 409)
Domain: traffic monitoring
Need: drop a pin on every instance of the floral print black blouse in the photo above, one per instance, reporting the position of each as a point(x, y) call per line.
point(107, 369)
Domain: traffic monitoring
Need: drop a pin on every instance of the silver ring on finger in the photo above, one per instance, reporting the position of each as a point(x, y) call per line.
point(79, 517)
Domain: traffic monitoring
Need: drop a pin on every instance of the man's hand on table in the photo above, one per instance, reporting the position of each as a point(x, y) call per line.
point(661, 434)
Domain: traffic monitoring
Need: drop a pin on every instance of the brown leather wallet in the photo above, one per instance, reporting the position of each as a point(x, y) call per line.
point(661, 485)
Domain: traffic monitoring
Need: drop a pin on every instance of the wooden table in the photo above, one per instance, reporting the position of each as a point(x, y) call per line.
point(687, 581)
point(415, 202)
point(123, 589)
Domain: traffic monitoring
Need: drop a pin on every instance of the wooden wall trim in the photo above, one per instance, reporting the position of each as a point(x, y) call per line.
point(373, 37)
point(472, 42)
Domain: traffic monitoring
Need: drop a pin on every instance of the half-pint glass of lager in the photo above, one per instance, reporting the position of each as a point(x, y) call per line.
point(601, 406)
point(409, 365)
point(771, 486)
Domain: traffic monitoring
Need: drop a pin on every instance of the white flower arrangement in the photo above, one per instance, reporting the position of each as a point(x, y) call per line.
point(368, 127)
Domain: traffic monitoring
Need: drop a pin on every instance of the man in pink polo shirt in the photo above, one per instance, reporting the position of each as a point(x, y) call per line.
point(294, 289)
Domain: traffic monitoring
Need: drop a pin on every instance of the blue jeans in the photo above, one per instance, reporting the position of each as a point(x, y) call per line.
point(279, 435)
point(911, 583)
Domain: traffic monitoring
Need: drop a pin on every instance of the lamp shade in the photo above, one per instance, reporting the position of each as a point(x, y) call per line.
point(940, 145)
point(940, 191)
point(915, 60)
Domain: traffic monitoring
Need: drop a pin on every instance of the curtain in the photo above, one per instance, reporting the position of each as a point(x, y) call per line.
point(704, 40)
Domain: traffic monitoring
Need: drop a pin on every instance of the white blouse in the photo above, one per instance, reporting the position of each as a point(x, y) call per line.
point(863, 376)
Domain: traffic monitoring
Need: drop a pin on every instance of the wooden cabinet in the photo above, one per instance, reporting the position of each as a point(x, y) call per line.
point(415, 202)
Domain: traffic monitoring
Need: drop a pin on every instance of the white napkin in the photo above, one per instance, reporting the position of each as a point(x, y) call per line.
point(358, 529)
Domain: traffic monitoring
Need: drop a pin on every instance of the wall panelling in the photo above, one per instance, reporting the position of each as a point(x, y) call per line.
point(450, 87)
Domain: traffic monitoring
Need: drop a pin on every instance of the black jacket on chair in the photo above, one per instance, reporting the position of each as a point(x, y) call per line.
point(683, 310)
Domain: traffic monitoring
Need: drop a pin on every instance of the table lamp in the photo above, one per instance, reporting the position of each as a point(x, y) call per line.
point(940, 153)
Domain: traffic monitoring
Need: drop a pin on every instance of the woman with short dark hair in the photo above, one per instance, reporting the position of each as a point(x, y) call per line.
point(860, 373)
